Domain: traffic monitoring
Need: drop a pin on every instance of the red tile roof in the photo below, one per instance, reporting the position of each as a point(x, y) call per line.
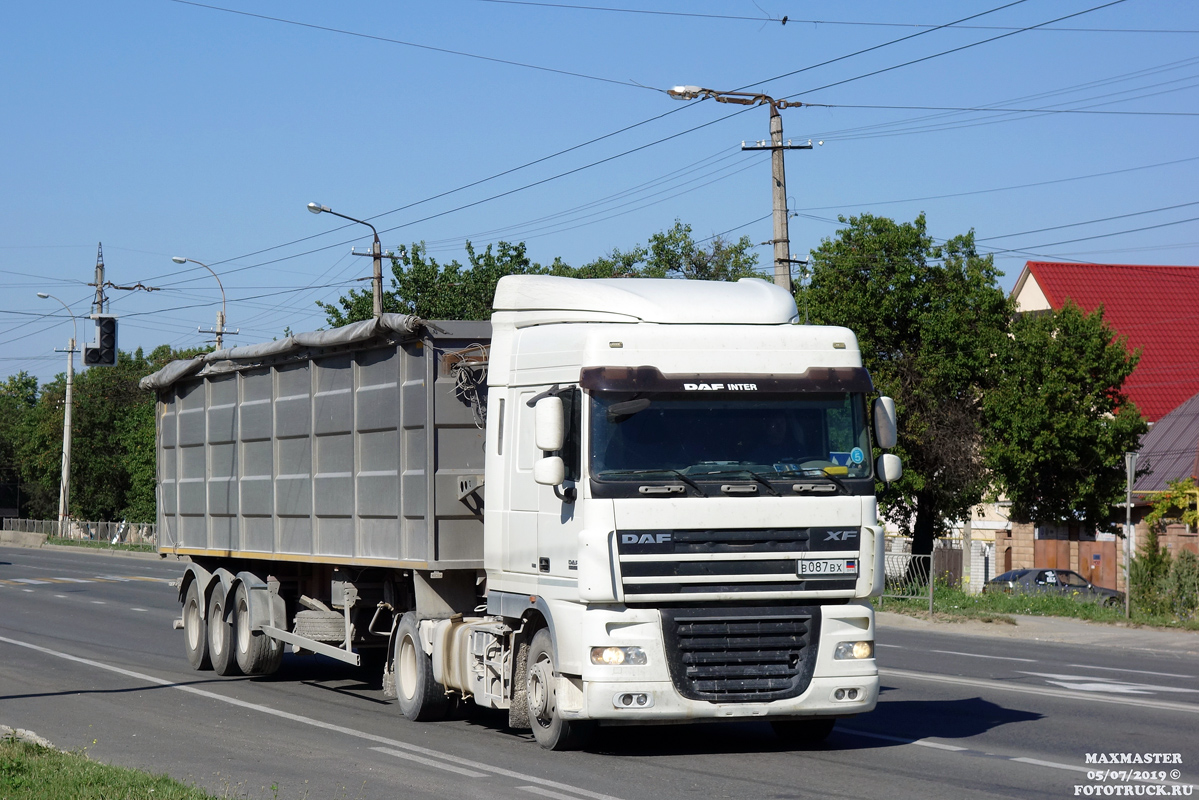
point(1157, 308)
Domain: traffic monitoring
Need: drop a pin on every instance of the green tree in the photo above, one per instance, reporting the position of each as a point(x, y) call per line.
point(928, 319)
point(1173, 504)
point(18, 395)
point(422, 286)
point(1058, 420)
point(1147, 576)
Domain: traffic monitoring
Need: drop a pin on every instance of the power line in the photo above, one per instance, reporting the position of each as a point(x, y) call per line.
point(1090, 222)
point(1014, 110)
point(390, 40)
point(951, 50)
point(785, 19)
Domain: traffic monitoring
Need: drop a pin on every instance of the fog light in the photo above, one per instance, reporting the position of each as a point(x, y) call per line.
point(839, 694)
point(854, 650)
point(632, 699)
point(615, 656)
point(853, 694)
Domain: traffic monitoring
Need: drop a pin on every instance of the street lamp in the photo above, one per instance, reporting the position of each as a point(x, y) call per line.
point(781, 241)
point(64, 489)
point(376, 253)
point(220, 317)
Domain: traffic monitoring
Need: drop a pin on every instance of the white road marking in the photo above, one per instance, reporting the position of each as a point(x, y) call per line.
point(30, 581)
point(979, 655)
point(979, 753)
point(73, 580)
point(1089, 683)
point(903, 740)
point(454, 768)
point(63, 596)
point(547, 793)
point(98, 602)
point(137, 609)
point(27, 590)
point(310, 721)
point(1043, 691)
point(894, 646)
point(1137, 671)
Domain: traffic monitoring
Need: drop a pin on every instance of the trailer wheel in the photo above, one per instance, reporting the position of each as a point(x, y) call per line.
point(195, 631)
point(421, 698)
point(803, 733)
point(257, 653)
point(549, 729)
point(220, 636)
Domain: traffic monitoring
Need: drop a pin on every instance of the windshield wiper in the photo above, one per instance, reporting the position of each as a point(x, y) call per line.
point(663, 470)
point(749, 472)
point(817, 473)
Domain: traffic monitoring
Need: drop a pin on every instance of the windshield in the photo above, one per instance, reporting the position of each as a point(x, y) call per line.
point(786, 435)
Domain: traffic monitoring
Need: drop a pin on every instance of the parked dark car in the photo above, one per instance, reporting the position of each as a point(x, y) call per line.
point(1058, 581)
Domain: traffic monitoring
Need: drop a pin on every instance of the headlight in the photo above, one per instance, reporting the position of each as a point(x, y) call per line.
point(616, 656)
point(845, 650)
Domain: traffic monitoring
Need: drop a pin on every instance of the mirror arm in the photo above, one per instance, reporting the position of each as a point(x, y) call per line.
point(567, 494)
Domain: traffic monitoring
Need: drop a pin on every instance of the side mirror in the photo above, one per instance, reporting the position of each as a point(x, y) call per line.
point(886, 424)
point(551, 470)
point(549, 424)
point(889, 468)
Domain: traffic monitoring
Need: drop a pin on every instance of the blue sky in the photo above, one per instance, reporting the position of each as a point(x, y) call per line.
point(164, 128)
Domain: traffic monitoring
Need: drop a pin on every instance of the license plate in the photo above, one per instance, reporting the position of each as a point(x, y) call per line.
point(810, 567)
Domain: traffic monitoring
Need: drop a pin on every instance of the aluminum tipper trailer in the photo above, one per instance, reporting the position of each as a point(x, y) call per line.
point(620, 501)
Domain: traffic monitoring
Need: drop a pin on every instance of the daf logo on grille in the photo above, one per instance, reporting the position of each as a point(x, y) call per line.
point(840, 536)
point(645, 538)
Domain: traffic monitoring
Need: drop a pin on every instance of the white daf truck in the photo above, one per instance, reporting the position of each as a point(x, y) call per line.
point(623, 501)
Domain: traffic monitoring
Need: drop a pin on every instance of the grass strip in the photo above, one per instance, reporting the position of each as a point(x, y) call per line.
point(953, 603)
point(101, 545)
point(32, 772)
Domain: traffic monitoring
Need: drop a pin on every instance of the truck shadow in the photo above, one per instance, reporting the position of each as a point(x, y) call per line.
point(891, 724)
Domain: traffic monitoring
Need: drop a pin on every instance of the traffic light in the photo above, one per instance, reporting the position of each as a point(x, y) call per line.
point(104, 352)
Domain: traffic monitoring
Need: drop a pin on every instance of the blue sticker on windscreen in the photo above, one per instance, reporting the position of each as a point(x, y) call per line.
point(856, 455)
point(840, 459)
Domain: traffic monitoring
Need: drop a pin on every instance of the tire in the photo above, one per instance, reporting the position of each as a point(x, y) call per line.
point(221, 636)
point(195, 630)
point(257, 653)
point(421, 698)
point(549, 729)
point(803, 733)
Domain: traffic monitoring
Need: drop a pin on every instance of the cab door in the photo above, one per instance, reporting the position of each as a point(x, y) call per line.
point(558, 521)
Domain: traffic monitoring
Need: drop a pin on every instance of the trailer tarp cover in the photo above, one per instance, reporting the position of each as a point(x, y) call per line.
point(232, 358)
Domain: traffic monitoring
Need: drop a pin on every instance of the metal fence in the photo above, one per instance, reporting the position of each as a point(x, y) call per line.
point(111, 532)
point(907, 577)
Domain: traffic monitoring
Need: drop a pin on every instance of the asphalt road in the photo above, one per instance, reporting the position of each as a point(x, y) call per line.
point(89, 660)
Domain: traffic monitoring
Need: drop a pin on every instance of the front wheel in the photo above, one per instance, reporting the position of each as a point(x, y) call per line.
point(421, 698)
point(549, 729)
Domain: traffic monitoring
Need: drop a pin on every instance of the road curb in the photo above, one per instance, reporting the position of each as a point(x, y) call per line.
point(22, 539)
point(37, 541)
point(1060, 630)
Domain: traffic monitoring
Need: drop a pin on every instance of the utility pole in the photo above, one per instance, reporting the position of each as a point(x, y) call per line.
point(376, 253)
point(98, 306)
point(778, 174)
point(64, 489)
point(782, 239)
point(1130, 465)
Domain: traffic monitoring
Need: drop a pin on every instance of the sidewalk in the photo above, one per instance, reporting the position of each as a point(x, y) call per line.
point(1054, 629)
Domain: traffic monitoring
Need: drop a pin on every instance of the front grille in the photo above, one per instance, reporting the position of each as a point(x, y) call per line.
point(741, 655)
point(747, 564)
